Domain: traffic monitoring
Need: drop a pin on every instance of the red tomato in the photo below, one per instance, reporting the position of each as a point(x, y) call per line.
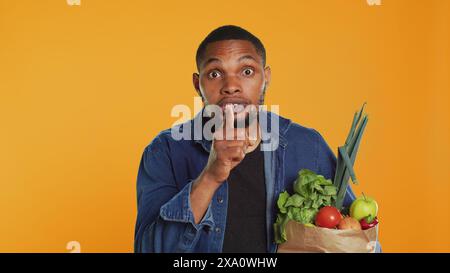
point(328, 217)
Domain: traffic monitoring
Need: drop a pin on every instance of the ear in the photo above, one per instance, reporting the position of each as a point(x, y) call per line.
point(196, 82)
point(267, 75)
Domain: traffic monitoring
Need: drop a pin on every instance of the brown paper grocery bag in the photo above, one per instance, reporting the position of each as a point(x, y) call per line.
point(301, 238)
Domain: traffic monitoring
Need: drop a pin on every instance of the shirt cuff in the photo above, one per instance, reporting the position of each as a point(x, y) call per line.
point(178, 209)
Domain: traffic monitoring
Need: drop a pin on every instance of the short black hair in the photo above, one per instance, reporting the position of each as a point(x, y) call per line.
point(230, 32)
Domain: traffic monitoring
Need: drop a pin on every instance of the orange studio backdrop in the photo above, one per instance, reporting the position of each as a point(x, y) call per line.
point(84, 88)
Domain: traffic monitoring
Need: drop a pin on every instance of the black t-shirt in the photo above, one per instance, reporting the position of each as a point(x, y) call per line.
point(246, 215)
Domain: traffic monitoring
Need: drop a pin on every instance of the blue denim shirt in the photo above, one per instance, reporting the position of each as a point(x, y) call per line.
point(165, 222)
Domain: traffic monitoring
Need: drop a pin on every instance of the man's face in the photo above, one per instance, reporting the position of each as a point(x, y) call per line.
point(232, 72)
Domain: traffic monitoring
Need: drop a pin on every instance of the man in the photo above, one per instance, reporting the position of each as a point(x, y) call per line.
point(220, 195)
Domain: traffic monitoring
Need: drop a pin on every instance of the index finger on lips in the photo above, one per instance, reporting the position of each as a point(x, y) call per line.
point(240, 133)
point(229, 117)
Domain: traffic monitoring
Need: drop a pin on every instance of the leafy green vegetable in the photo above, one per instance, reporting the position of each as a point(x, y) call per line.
point(295, 200)
point(330, 190)
point(306, 216)
point(280, 228)
point(282, 201)
point(312, 191)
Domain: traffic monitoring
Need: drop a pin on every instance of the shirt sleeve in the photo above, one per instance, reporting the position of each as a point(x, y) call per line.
point(164, 220)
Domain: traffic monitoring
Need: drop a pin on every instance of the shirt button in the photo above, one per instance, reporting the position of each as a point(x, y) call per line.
point(220, 200)
point(217, 229)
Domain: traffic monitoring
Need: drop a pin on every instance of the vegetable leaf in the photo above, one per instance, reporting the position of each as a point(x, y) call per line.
point(295, 200)
point(282, 201)
point(312, 192)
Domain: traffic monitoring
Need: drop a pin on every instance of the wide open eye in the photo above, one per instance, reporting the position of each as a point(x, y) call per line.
point(248, 71)
point(214, 74)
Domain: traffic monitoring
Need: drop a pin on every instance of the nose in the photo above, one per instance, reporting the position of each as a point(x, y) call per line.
point(230, 86)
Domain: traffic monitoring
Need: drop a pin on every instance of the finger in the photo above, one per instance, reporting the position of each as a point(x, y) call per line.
point(248, 141)
point(245, 147)
point(231, 134)
point(229, 117)
point(251, 140)
point(235, 153)
point(235, 143)
point(227, 148)
point(239, 157)
point(218, 134)
point(240, 133)
point(244, 112)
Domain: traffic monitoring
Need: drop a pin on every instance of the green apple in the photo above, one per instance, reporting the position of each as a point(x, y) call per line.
point(363, 207)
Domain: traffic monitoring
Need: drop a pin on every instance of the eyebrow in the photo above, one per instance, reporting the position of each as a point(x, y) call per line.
point(247, 57)
point(213, 59)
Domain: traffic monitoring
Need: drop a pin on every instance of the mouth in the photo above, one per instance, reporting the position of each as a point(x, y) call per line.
point(238, 105)
point(243, 115)
point(237, 108)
